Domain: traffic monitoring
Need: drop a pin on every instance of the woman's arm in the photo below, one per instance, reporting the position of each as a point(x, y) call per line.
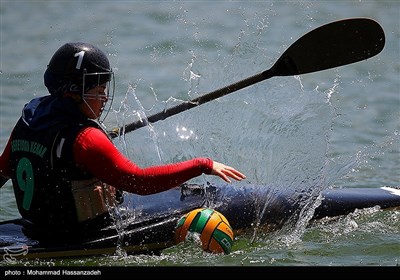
point(94, 152)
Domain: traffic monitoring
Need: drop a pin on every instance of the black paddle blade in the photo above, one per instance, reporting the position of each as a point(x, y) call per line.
point(328, 46)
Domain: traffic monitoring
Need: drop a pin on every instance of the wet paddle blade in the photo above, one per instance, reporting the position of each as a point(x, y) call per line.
point(332, 45)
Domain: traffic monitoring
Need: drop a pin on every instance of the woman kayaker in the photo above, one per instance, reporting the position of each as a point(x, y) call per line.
point(65, 170)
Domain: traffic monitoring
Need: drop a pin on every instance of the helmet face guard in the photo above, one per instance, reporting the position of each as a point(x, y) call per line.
point(100, 79)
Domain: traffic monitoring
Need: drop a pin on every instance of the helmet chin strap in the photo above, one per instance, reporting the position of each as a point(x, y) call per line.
point(90, 108)
point(98, 118)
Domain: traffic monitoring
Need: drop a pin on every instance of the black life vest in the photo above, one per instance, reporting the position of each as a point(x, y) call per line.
point(42, 170)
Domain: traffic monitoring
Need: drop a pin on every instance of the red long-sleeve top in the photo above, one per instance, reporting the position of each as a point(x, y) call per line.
point(94, 152)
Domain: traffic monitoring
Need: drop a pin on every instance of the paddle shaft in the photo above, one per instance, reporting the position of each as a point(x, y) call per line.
point(199, 100)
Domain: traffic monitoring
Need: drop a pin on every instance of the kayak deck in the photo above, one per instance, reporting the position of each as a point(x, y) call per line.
point(150, 221)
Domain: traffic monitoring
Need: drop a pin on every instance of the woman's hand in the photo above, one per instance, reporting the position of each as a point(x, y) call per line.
point(225, 171)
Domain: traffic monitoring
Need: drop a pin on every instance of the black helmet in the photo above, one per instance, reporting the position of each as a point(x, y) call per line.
point(71, 63)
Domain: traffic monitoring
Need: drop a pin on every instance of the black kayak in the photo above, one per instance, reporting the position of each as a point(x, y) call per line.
point(146, 224)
